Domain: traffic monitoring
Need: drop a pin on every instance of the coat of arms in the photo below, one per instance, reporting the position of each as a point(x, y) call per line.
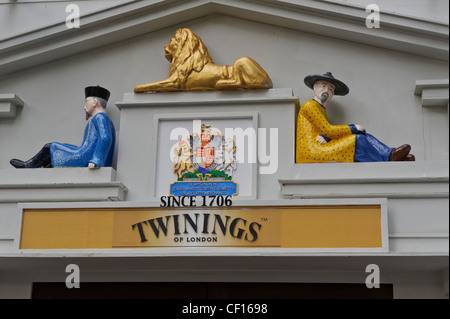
point(204, 164)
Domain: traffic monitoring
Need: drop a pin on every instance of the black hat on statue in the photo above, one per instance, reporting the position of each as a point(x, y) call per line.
point(97, 91)
point(341, 88)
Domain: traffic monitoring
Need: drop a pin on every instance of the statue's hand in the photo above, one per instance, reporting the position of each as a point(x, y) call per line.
point(360, 128)
point(321, 139)
point(91, 165)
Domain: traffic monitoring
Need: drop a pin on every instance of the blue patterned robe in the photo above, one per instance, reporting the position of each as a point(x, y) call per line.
point(97, 147)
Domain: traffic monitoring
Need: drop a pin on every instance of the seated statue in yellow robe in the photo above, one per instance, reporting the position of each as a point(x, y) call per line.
point(319, 141)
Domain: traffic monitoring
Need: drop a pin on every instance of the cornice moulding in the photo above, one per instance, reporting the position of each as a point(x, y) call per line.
point(433, 92)
point(346, 22)
point(9, 104)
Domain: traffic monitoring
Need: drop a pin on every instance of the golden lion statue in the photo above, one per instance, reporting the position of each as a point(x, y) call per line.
point(192, 69)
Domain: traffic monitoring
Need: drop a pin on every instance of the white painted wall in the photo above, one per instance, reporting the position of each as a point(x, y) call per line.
point(381, 82)
point(436, 10)
point(20, 16)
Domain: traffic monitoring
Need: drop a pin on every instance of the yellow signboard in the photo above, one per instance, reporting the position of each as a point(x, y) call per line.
point(209, 227)
point(283, 227)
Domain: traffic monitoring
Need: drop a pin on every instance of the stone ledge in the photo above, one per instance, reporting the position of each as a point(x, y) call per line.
point(59, 175)
point(60, 184)
point(368, 180)
point(206, 98)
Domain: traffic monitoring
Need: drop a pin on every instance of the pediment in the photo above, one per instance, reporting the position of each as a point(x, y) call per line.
point(125, 21)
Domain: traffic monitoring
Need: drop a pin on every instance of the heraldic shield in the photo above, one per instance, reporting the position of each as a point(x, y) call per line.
point(204, 165)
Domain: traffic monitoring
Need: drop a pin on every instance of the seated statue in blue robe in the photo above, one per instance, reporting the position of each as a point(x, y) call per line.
point(97, 148)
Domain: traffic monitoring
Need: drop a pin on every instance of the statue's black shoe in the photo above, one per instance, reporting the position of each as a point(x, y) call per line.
point(41, 159)
point(17, 163)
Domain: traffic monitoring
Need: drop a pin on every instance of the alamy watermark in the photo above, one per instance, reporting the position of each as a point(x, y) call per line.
point(373, 279)
point(373, 19)
point(73, 280)
point(73, 19)
point(258, 147)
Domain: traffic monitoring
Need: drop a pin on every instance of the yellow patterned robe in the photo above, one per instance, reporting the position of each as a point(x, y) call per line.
point(312, 121)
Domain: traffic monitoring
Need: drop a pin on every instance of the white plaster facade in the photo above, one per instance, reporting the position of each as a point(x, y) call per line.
point(398, 79)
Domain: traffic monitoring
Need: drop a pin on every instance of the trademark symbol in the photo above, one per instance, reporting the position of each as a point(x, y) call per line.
point(263, 219)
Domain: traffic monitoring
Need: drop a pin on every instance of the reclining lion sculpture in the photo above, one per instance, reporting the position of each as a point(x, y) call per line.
point(192, 69)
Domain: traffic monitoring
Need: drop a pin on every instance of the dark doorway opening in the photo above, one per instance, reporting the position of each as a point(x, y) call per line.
point(213, 290)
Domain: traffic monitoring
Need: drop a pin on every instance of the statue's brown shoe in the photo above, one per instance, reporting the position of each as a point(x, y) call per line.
point(400, 153)
point(410, 158)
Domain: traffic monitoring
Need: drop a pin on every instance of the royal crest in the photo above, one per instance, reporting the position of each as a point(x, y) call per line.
point(204, 165)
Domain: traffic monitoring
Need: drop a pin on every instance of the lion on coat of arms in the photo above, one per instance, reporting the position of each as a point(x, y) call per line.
point(182, 160)
point(192, 69)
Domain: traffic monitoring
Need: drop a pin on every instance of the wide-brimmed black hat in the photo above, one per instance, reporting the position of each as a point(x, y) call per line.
point(341, 88)
point(97, 91)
